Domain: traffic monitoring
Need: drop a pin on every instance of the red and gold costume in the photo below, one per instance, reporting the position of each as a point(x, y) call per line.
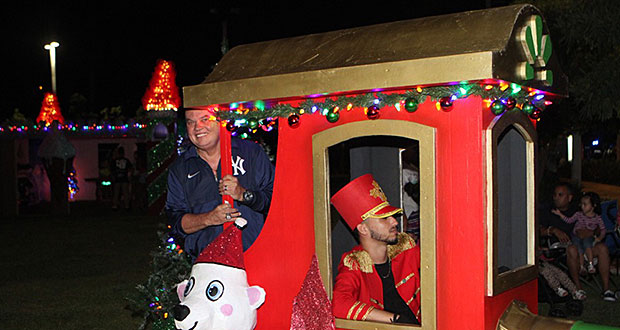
point(359, 290)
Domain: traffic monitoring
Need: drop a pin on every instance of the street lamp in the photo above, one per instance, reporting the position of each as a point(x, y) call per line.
point(52, 48)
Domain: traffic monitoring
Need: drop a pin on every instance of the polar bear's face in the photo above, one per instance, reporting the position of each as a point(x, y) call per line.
point(217, 297)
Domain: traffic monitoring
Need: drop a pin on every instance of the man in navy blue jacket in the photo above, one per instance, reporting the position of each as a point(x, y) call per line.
point(195, 187)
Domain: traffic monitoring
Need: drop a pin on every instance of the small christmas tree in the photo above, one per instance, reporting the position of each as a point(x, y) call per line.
point(155, 298)
point(163, 93)
point(50, 110)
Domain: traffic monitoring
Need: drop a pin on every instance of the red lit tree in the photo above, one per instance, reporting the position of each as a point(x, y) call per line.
point(50, 110)
point(163, 93)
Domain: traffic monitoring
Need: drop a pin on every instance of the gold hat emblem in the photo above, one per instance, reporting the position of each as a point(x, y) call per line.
point(377, 192)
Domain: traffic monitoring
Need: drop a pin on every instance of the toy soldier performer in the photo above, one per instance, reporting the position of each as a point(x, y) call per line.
point(378, 280)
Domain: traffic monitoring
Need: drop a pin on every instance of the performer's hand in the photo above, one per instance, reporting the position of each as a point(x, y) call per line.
point(229, 185)
point(403, 319)
point(222, 213)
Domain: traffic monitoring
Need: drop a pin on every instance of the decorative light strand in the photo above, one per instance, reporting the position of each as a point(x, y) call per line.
point(444, 96)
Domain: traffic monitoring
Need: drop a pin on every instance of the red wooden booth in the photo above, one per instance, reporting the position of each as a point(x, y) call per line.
point(455, 96)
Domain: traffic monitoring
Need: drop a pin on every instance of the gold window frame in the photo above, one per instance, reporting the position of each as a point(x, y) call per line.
point(425, 135)
point(498, 283)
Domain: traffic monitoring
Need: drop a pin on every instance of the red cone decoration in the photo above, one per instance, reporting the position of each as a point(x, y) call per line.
point(50, 110)
point(312, 309)
point(163, 93)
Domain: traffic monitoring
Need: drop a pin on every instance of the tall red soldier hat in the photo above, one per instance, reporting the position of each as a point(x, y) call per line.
point(361, 199)
point(227, 248)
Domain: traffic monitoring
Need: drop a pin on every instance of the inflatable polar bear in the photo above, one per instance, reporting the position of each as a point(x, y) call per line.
point(217, 296)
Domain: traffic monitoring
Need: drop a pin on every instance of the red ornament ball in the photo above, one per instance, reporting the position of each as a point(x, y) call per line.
point(510, 103)
point(373, 112)
point(535, 115)
point(293, 121)
point(446, 103)
point(230, 126)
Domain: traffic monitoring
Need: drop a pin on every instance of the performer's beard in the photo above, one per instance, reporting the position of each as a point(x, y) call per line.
point(388, 240)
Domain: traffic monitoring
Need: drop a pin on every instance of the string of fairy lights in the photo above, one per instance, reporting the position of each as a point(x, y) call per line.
point(72, 128)
point(497, 97)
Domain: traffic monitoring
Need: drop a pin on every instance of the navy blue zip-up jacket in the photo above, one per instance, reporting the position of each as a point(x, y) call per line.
point(192, 188)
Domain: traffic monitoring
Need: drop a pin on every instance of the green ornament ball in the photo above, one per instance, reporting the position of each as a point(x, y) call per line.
point(411, 104)
point(332, 117)
point(528, 108)
point(498, 107)
point(252, 123)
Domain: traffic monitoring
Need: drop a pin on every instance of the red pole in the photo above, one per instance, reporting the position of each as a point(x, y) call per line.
point(225, 161)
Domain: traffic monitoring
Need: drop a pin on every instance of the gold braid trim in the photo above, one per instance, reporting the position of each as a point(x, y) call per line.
point(404, 280)
point(367, 312)
point(359, 310)
point(414, 295)
point(374, 301)
point(351, 309)
point(361, 259)
point(372, 211)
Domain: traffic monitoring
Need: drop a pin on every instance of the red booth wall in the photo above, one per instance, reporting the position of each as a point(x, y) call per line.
point(280, 257)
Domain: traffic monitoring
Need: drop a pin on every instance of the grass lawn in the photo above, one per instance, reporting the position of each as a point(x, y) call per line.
point(595, 309)
point(73, 272)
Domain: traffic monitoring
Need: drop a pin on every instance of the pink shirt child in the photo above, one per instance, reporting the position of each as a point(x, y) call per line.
point(585, 222)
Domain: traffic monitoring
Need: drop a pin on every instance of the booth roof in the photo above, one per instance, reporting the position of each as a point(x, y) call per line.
point(468, 46)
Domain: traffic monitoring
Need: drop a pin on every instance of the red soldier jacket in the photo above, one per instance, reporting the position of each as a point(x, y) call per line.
point(359, 290)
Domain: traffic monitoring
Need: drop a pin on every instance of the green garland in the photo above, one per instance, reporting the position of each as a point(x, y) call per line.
point(412, 98)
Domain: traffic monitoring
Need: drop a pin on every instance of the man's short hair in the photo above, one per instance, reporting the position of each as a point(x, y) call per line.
point(568, 186)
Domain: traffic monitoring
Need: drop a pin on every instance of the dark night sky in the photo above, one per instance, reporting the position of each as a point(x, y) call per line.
point(108, 50)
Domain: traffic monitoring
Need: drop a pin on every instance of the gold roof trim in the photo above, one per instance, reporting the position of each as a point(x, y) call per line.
point(466, 46)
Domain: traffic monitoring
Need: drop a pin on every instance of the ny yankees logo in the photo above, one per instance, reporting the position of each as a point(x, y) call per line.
point(238, 166)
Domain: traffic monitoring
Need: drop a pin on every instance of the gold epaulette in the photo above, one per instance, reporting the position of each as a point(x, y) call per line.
point(405, 242)
point(361, 259)
point(358, 260)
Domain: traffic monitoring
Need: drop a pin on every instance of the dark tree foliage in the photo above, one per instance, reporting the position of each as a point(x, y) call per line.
point(586, 40)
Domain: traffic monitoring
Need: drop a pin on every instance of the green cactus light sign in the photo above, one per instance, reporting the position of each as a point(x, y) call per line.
point(537, 50)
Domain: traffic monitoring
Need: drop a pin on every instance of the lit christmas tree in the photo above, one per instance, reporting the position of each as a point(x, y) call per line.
point(154, 299)
point(163, 93)
point(50, 110)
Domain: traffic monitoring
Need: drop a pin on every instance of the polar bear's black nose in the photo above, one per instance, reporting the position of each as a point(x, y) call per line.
point(180, 312)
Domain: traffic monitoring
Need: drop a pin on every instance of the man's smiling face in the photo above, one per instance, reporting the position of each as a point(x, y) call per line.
point(202, 129)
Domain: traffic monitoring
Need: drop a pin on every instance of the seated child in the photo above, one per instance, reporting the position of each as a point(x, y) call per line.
point(589, 227)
